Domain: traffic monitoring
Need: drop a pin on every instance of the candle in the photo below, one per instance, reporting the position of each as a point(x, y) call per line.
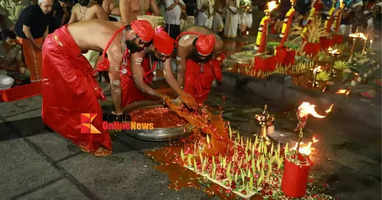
point(329, 19)
point(371, 44)
point(338, 17)
point(261, 39)
point(288, 19)
point(364, 45)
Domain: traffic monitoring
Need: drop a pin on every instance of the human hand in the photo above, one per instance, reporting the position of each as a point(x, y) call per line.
point(189, 100)
point(165, 99)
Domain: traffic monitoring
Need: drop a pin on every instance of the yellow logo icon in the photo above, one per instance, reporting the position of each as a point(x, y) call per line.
point(86, 123)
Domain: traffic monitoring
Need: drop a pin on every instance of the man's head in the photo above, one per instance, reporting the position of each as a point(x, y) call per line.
point(140, 34)
point(163, 44)
point(84, 2)
point(204, 46)
point(64, 3)
point(45, 5)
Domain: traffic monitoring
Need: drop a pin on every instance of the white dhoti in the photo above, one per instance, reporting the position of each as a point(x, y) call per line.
point(246, 19)
point(231, 25)
point(201, 18)
point(218, 24)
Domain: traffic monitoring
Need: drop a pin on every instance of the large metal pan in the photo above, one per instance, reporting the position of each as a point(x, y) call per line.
point(159, 134)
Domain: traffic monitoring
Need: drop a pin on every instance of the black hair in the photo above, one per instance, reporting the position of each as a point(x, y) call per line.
point(83, 2)
point(5, 34)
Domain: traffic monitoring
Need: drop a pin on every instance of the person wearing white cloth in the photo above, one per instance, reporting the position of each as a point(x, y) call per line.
point(174, 10)
point(246, 17)
point(232, 18)
point(205, 13)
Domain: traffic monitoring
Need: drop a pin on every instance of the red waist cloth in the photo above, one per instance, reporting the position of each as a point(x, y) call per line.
point(130, 93)
point(69, 90)
point(198, 81)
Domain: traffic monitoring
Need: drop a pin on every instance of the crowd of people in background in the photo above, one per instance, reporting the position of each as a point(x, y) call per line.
point(66, 43)
point(27, 22)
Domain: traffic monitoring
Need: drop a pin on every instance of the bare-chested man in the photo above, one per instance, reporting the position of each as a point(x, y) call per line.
point(69, 91)
point(197, 62)
point(136, 79)
point(84, 10)
point(131, 9)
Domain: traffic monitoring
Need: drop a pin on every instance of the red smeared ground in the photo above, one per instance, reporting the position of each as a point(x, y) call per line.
point(161, 117)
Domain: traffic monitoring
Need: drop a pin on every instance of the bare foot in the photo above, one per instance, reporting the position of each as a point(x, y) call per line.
point(83, 148)
point(102, 152)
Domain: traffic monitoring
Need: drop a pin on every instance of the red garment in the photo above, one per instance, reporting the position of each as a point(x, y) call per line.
point(69, 90)
point(130, 93)
point(197, 81)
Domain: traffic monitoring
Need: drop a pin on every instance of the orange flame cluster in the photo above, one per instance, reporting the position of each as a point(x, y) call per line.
point(272, 5)
point(306, 109)
point(333, 51)
point(358, 35)
point(306, 149)
point(343, 91)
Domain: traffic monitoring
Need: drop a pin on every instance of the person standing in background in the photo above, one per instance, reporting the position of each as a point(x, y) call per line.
point(31, 28)
point(85, 11)
point(131, 9)
point(174, 11)
point(232, 19)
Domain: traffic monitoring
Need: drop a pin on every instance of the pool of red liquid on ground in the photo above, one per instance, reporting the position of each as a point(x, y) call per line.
point(161, 116)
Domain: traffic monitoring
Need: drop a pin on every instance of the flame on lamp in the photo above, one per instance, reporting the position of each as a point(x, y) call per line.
point(333, 51)
point(358, 35)
point(306, 108)
point(327, 111)
point(317, 69)
point(271, 5)
point(305, 149)
point(343, 91)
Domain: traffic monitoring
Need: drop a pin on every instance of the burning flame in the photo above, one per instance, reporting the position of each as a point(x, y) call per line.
point(272, 5)
point(327, 111)
point(306, 108)
point(314, 139)
point(333, 51)
point(317, 69)
point(343, 91)
point(342, 4)
point(306, 149)
point(358, 35)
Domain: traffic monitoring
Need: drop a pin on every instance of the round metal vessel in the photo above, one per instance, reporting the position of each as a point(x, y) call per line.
point(160, 134)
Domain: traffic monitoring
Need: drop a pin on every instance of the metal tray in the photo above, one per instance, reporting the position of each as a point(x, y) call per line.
point(160, 134)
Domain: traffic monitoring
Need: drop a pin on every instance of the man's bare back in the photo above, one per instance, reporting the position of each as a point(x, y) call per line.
point(101, 32)
point(131, 9)
point(85, 13)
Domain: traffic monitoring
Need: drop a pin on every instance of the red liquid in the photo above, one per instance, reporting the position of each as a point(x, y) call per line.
point(161, 117)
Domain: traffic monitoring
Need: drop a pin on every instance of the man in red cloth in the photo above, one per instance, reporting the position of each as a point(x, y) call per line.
point(198, 63)
point(135, 79)
point(70, 94)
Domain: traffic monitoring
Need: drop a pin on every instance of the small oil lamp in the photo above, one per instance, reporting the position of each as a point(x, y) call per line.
point(354, 36)
point(265, 120)
point(334, 53)
point(316, 70)
point(261, 38)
